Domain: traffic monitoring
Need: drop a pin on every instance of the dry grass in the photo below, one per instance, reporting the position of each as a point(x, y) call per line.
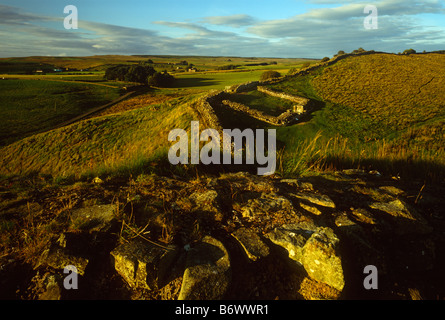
point(397, 91)
point(103, 144)
point(136, 103)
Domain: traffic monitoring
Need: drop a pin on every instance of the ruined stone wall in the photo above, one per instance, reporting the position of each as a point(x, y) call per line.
point(299, 100)
point(248, 86)
point(206, 110)
point(282, 120)
point(206, 106)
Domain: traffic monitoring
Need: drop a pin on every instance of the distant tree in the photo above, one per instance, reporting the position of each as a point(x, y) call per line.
point(133, 73)
point(325, 59)
point(162, 80)
point(139, 74)
point(116, 72)
point(227, 67)
point(409, 51)
point(340, 52)
point(268, 75)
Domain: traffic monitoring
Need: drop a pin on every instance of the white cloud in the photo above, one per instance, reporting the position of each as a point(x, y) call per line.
point(316, 33)
point(237, 20)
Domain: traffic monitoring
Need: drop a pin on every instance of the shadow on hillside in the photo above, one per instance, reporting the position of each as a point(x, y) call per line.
point(400, 247)
point(407, 170)
point(195, 82)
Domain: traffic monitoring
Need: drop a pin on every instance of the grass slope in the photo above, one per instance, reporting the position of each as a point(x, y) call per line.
point(381, 111)
point(121, 143)
point(31, 106)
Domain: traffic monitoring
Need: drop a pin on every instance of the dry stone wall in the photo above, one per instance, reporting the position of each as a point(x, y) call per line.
point(283, 119)
point(205, 108)
point(299, 100)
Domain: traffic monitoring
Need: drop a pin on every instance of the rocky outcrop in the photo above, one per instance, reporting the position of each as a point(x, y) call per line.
point(315, 248)
point(242, 236)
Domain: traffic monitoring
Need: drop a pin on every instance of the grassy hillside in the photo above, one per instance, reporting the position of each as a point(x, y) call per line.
point(32, 106)
point(121, 143)
point(381, 111)
point(377, 112)
point(397, 91)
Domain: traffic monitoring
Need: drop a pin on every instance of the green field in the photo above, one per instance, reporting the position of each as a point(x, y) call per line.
point(215, 80)
point(398, 130)
point(32, 106)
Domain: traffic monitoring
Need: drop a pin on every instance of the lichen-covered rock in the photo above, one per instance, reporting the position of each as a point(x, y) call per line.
point(310, 208)
point(315, 198)
point(208, 273)
point(142, 264)
point(363, 215)
point(321, 259)
point(292, 238)
point(266, 205)
point(251, 243)
point(315, 249)
point(405, 218)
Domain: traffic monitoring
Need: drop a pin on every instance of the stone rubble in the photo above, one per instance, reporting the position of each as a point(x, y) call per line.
point(222, 227)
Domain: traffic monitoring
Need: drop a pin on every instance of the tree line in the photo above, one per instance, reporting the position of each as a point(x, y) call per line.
point(141, 74)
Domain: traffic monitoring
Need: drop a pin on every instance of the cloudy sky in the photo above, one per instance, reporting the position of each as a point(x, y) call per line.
point(273, 28)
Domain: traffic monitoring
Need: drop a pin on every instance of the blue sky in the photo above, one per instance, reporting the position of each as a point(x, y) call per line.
point(278, 28)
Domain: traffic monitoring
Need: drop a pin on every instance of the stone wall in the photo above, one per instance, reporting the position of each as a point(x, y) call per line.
point(283, 119)
point(299, 100)
point(248, 86)
point(205, 108)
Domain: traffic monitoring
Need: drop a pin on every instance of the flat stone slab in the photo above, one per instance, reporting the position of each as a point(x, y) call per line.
point(142, 264)
point(252, 244)
point(406, 219)
point(311, 209)
point(208, 273)
point(315, 198)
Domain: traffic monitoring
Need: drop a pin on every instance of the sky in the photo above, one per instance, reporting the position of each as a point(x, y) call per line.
point(244, 28)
